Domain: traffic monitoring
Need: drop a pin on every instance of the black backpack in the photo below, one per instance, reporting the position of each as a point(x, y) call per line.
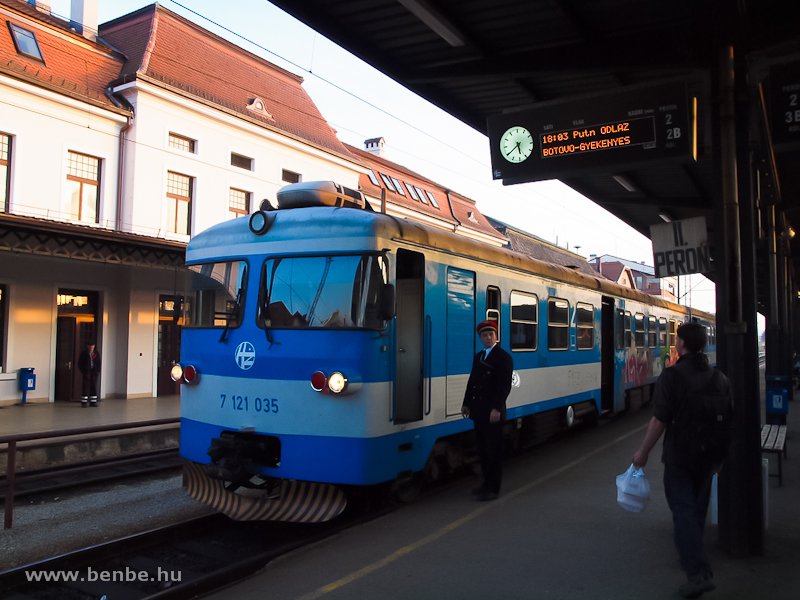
point(703, 424)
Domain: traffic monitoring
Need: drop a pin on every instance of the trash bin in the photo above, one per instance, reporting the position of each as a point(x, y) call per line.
point(27, 381)
point(777, 399)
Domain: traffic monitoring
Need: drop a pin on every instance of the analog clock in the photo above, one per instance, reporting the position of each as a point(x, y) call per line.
point(516, 144)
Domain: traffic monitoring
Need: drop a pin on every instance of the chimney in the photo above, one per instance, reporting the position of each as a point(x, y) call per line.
point(83, 17)
point(375, 146)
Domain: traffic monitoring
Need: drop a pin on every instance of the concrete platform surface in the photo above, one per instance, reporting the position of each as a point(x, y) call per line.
point(556, 532)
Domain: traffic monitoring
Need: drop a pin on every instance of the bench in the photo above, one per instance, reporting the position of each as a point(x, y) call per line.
point(773, 440)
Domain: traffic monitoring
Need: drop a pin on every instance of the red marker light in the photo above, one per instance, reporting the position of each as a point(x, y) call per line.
point(318, 381)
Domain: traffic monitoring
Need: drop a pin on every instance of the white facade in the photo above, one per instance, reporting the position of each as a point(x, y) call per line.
point(44, 128)
point(148, 158)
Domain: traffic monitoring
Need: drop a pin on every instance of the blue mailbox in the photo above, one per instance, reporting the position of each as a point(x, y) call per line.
point(27, 381)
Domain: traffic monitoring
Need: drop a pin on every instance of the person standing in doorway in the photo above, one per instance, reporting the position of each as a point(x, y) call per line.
point(687, 474)
point(485, 403)
point(89, 366)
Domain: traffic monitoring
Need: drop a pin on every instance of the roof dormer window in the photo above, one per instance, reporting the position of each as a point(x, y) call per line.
point(25, 42)
point(258, 106)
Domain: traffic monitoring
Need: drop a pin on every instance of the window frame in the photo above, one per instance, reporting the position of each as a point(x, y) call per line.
point(387, 181)
point(583, 326)
point(558, 325)
point(432, 198)
point(291, 176)
point(182, 143)
point(525, 322)
point(6, 148)
point(84, 181)
point(4, 304)
point(652, 331)
point(662, 332)
point(373, 178)
point(639, 333)
point(239, 212)
point(16, 31)
point(398, 186)
point(241, 158)
point(178, 198)
point(494, 304)
point(672, 331)
point(628, 329)
point(412, 191)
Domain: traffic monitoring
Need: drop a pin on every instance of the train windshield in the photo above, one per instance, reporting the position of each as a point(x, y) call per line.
point(329, 292)
point(215, 294)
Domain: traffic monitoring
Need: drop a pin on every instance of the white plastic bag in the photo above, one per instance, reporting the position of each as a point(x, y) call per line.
point(633, 489)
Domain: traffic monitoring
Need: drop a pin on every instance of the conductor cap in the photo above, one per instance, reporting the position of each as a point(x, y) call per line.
point(486, 326)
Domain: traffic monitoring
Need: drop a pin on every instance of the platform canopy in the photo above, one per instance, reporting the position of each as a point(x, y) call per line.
point(478, 59)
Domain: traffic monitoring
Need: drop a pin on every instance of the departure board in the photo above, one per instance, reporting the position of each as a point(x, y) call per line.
point(608, 132)
point(785, 103)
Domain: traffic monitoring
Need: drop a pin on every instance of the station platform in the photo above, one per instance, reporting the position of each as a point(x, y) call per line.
point(35, 419)
point(556, 532)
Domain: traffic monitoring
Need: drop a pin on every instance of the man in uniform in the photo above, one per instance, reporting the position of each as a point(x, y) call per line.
point(485, 403)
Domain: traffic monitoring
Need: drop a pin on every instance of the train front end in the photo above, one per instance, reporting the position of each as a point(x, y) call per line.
point(284, 364)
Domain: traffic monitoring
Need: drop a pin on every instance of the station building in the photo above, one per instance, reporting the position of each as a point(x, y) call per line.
point(117, 144)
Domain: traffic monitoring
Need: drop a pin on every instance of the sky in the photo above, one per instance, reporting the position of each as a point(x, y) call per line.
point(361, 103)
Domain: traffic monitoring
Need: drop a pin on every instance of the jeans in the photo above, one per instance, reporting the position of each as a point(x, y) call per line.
point(687, 491)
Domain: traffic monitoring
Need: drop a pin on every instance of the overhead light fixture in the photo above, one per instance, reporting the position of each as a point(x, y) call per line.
point(626, 183)
point(436, 21)
point(665, 216)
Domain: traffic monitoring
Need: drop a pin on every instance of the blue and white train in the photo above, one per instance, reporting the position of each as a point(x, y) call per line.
point(326, 347)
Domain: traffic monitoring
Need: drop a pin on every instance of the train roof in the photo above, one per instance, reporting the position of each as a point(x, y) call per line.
point(346, 229)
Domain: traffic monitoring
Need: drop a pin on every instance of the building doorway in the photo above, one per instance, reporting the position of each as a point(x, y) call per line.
point(76, 326)
point(170, 321)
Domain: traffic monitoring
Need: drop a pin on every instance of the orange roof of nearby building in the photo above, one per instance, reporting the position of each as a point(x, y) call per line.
point(453, 208)
point(166, 49)
point(72, 65)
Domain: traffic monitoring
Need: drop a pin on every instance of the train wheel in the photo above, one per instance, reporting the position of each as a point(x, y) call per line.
point(408, 489)
point(569, 417)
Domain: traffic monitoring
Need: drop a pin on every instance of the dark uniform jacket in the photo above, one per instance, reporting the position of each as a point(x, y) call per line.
point(489, 384)
point(89, 366)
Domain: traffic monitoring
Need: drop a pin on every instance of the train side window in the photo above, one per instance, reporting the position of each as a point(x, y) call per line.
point(651, 332)
point(671, 335)
point(619, 330)
point(638, 333)
point(628, 336)
point(557, 324)
point(524, 321)
point(493, 307)
point(584, 320)
point(662, 332)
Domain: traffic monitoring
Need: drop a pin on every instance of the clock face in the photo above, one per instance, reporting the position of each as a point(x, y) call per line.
point(516, 144)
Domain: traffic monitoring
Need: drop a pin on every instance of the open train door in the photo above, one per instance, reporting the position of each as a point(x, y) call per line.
point(410, 285)
point(607, 356)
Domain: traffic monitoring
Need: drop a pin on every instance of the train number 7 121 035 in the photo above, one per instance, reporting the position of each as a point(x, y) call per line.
point(245, 404)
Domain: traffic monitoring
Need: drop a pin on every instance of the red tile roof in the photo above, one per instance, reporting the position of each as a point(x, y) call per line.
point(73, 65)
point(167, 49)
point(461, 206)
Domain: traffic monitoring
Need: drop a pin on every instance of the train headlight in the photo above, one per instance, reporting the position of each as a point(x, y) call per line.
point(260, 222)
point(318, 381)
point(184, 374)
point(337, 383)
point(176, 373)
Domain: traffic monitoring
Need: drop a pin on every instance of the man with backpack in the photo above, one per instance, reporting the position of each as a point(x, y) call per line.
point(693, 403)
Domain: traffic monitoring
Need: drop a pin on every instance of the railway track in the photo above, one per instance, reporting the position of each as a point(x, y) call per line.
point(177, 561)
point(62, 478)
